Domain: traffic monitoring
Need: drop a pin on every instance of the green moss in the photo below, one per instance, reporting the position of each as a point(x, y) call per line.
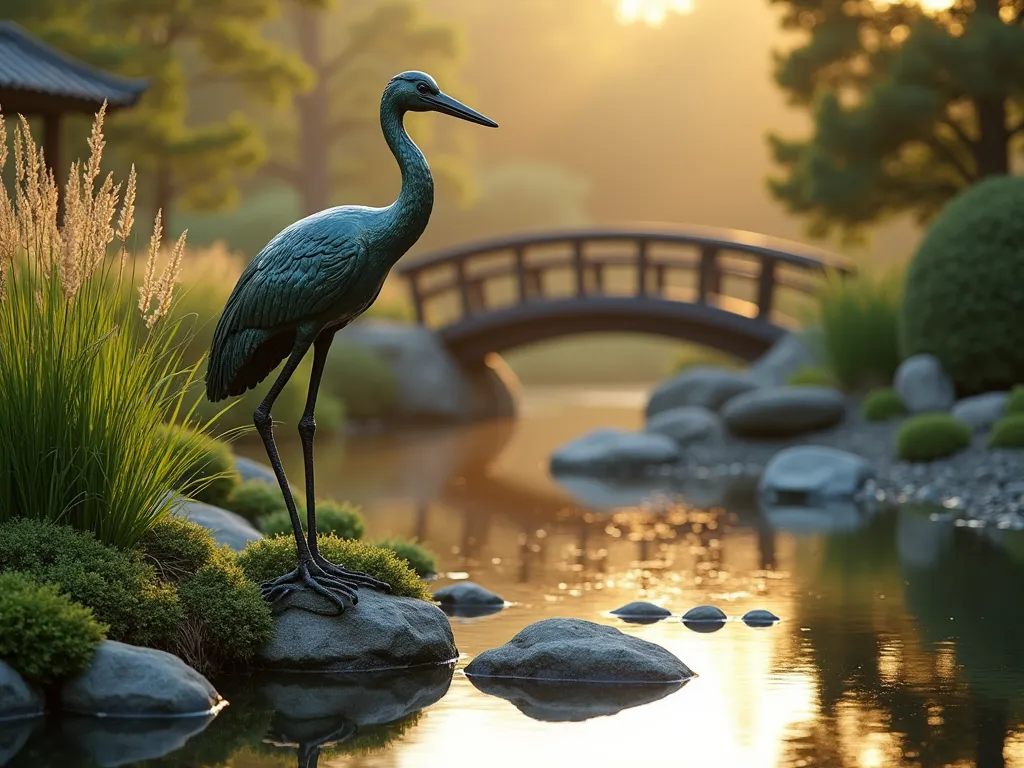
point(122, 591)
point(1016, 402)
point(882, 404)
point(255, 499)
point(965, 287)
point(211, 476)
point(268, 558)
point(931, 436)
point(362, 380)
point(811, 375)
point(419, 558)
point(343, 520)
point(177, 548)
point(44, 636)
point(1008, 432)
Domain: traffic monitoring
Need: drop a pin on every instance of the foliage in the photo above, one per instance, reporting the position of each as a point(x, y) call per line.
point(931, 436)
point(177, 547)
point(1008, 432)
point(256, 500)
point(908, 108)
point(211, 474)
point(420, 559)
point(811, 375)
point(342, 520)
point(269, 558)
point(1016, 402)
point(122, 591)
point(44, 636)
point(361, 379)
point(882, 404)
point(859, 320)
point(86, 385)
point(965, 288)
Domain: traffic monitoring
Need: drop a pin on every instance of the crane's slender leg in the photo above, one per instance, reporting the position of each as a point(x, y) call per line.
point(308, 573)
point(307, 429)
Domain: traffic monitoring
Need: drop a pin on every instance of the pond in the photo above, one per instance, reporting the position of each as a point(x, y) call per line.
point(901, 640)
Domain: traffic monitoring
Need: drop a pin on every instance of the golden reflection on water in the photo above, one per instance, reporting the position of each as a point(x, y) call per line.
point(847, 679)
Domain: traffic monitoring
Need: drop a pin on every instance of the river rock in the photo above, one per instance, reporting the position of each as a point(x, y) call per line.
point(640, 611)
point(759, 617)
point(923, 385)
point(467, 593)
point(254, 470)
point(614, 451)
point(690, 426)
point(809, 474)
point(980, 412)
point(226, 527)
point(129, 681)
point(776, 412)
point(787, 356)
point(380, 632)
point(706, 386)
point(17, 698)
point(705, 613)
point(573, 650)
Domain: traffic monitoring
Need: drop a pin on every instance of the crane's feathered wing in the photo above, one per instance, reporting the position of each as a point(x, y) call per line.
point(300, 277)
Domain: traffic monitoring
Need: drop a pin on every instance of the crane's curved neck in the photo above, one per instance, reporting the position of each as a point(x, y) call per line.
point(406, 218)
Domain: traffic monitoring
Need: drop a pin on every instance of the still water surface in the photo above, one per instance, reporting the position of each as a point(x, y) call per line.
point(902, 640)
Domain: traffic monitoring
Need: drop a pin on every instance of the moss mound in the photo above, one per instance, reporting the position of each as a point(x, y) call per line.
point(1008, 432)
point(255, 500)
point(931, 436)
point(268, 558)
point(419, 558)
point(882, 404)
point(211, 476)
point(965, 287)
point(44, 636)
point(343, 520)
point(1016, 402)
point(811, 375)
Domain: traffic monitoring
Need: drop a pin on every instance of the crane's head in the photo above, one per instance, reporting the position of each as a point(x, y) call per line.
point(418, 92)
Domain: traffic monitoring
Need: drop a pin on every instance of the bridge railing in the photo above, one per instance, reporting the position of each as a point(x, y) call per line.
point(737, 271)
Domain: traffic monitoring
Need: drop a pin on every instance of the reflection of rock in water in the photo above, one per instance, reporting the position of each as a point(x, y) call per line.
point(825, 518)
point(13, 735)
point(111, 742)
point(470, 611)
point(349, 711)
point(573, 702)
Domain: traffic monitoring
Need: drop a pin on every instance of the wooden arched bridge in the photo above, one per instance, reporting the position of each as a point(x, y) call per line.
point(731, 290)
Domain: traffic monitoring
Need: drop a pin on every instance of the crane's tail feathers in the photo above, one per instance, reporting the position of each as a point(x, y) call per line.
point(241, 360)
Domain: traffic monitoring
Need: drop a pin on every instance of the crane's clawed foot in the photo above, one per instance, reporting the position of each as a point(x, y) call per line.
point(310, 576)
point(356, 578)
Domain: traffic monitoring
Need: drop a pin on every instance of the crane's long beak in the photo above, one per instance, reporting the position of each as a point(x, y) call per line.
point(447, 105)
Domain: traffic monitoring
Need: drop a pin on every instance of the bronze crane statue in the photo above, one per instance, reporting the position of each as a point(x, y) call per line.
point(311, 280)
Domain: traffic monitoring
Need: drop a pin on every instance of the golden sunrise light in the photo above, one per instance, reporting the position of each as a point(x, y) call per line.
point(651, 12)
point(931, 6)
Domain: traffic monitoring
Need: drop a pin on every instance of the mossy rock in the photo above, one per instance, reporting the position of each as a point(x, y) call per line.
point(1008, 432)
point(882, 404)
point(1016, 402)
point(811, 375)
point(931, 436)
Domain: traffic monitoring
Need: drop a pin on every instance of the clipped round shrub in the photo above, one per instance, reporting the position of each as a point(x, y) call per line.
point(1015, 404)
point(44, 635)
point(122, 590)
point(362, 380)
point(882, 404)
point(343, 520)
point(419, 558)
point(177, 547)
point(255, 499)
point(931, 436)
point(272, 557)
point(1008, 432)
point(965, 287)
point(811, 375)
point(211, 475)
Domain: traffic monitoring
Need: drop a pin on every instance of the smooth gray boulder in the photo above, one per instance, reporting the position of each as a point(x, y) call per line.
point(777, 412)
point(691, 426)
point(614, 451)
point(17, 698)
point(702, 613)
point(707, 386)
point(787, 356)
point(980, 412)
point(254, 470)
point(226, 527)
point(923, 385)
point(380, 632)
point(467, 593)
point(572, 650)
point(759, 617)
point(641, 612)
point(128, 681)
point(811, 474)
point(111, 742)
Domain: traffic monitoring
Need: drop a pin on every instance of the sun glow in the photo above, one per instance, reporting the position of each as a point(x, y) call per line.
point(651, 12)
point(930, 6)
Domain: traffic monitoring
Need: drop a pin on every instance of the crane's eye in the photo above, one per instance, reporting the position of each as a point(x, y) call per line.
point(423, 88)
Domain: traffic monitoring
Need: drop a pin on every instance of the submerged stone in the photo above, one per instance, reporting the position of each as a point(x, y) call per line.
point(641, 612)
point(17, 698)
point(111, 742)
point(467, 593)
point(573, 650)
point(760, 618)
point(380, 632)
point(704, 613)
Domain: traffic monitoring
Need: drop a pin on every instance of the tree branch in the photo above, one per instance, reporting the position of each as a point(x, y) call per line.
point(947, 153)
point(958, 131)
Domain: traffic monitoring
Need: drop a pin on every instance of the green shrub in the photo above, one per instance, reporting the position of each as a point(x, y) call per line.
point(210, 475)
point(362, 380)
point(965, 288)
point(1008, 432)
point(419, 558)
point(1016, 402)
point(882, 404)
point(269, 558)
point(343, 520)
point(859, 336)
point(931, 436)
point(44, 636)
point(83, 377)
point(122, 591)
point(811, 375)
point(177, 547)
point(255, 500)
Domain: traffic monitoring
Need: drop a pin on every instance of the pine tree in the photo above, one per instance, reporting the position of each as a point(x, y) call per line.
point(909, 107)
